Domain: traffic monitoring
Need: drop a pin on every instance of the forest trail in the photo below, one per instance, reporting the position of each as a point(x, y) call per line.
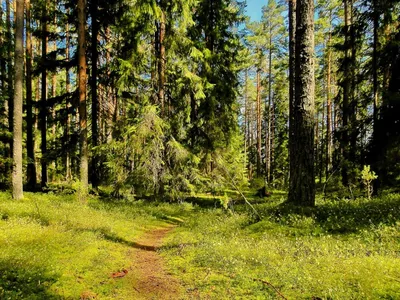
point(154, 281)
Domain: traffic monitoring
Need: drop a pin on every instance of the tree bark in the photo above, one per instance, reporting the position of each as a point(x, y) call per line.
point(30, 143)
point(95, 113)
point(43, 105)
point(375, 63)
point(270, 110)
point(292, 65)
point(245, 117)
point(10, 92)
point(302, 178)
point(258, 122)
point(17, 184)
point(2, 59)
point(53, 110)
point(68, 172)
point(346, 96)
point(329, 140)
point(82, 96)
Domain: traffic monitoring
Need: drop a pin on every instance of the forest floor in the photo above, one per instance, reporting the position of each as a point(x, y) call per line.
point(54, 247)
point(154, 281)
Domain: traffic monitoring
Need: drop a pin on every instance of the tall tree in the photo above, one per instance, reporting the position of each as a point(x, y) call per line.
point(93, 82)
point(161, 58)
point(259, 116)
point(273, 32)
point(68, 173)
point(82, 96)
point(292, 77)
point(346, 106)
point(17, 183)
point(43, 102)
point(10, 74)
point(30, 145)
point(302, 178)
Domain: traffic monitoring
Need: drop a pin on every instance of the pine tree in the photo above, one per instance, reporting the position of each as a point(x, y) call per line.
point(302, 180)
point(84, 168)
point(30, 145)
point(17, 190)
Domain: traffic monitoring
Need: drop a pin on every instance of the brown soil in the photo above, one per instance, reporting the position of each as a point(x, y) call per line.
point(153, 280)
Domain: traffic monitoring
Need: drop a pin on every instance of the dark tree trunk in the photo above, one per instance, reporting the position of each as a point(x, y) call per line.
point(43, 104)
point(329, 140)
point(68, 173)
point(95, 114)
point(375, 63)
point(30, 144)
point(302, 178)
point(346, 96)
point(10, 92)
point(292, 65)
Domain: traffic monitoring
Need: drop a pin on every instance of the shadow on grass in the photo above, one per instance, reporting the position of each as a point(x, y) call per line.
point(116, 239)
point(343, 217)
point(25, 282)
point(112, 237)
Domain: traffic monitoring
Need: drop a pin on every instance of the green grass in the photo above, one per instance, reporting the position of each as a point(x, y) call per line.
point(339, 250)
point(53, 247)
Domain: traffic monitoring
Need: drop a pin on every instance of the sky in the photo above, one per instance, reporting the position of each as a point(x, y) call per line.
point(253, 9)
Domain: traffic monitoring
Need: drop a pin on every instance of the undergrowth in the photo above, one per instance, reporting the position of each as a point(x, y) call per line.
point(54, 247)
point(338, 250)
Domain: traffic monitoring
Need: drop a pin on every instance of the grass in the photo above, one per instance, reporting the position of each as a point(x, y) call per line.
point(53, 247)
point(339, 250)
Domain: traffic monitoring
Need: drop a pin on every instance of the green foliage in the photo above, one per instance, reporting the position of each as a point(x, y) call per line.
point(368, 177)
point(53, 247)
point(338, 250)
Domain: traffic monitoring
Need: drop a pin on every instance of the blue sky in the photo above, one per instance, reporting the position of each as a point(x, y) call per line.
point(253, 9)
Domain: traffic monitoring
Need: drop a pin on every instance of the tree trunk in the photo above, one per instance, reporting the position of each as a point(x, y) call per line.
point(68, 173)
point(2, 59)
point(17, 185)
point(95, 114)
point(270, 109)
point(245, 117)
point(30, 144)
point(53, 110)
point(302, 179)
point(258, 122)
point(346, 97)
point(10, 92)
point(329, 140)
point(43, 105)
point(353, 100)
point(375, 63)
point(82, 96)
point(292, 65)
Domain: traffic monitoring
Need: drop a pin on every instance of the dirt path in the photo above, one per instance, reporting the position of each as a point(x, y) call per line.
point(154, 282)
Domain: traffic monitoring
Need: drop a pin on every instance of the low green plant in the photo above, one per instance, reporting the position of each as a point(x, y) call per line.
point(338, 250)
point(368, 177)
point(55, 247)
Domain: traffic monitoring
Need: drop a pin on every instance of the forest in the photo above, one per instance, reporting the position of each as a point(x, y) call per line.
point(182, 149)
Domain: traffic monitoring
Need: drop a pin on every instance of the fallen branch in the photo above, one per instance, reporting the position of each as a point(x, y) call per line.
point(254, 279)
point(270, 285)
point(240, 192)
